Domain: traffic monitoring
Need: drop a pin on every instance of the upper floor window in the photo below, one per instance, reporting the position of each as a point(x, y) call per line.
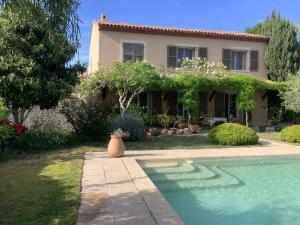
point(234, 59)
point(177, 54)
point(133, 51)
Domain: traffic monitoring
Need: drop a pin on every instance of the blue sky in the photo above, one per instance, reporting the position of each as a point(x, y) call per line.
point(228, 15)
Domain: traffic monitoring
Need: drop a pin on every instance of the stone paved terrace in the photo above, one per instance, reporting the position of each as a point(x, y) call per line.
point(116, 191)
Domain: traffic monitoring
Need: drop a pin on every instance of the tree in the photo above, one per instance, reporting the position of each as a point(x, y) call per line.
point(127, 79)
point(62, 15)
point(245, 100)
point(291, 96)
point(34, 61)
point(282, 52)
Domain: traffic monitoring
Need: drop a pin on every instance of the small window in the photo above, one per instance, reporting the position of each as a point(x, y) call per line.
point(254, 61)
point(133, 51)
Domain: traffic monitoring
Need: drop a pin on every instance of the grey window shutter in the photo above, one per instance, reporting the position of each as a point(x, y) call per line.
point(254, 61)
point(172, 56)
point(202, 52)
point(226, 57)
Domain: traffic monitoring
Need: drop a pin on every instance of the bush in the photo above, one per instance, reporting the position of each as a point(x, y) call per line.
point(131, 124)
point(291, 134)
point(89, 119)
point(7, 135)
point(232, 134)
point(4, 111)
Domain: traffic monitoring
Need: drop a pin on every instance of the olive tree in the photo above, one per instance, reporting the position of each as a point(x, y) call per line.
point(291, 96)
point(127, 79)
point(245, 100)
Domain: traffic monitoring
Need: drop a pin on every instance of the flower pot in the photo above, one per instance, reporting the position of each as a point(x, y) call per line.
point(181, 125)
point(173, 131)
point(262, 128)
point(194, 128)
point(116, 147)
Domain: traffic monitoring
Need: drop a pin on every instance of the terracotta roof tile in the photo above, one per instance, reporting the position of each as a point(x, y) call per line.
point(184, 32)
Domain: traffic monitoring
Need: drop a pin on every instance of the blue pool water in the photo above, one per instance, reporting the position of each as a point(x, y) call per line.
point(253, 191)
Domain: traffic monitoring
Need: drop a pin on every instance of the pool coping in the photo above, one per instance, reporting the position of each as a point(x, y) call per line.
point(152, 200)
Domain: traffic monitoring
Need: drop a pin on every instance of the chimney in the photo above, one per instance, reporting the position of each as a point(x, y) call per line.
point(103, 17)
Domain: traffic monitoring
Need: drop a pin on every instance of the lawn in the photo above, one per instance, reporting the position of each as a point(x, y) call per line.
point(44, 189)
point(272, 136)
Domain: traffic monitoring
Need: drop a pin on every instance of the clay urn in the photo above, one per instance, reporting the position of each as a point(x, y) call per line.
point(116, 147)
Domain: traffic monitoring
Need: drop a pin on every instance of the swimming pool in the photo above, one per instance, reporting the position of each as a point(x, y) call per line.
point(236, 191)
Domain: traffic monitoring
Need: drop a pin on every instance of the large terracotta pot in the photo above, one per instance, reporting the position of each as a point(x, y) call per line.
point(116, 147)
point(194, 128)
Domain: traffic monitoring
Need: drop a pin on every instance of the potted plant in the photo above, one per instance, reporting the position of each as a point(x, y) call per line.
point(164, 121)
point(194, 126)
point(116, 146)
point(181, 122)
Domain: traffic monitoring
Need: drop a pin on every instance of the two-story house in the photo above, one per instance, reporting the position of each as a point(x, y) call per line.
point(165, 46)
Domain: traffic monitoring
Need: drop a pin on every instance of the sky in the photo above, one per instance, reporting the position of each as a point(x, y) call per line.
point(227, 15)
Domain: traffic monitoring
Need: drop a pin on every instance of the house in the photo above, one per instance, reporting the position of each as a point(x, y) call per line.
point(165, 46)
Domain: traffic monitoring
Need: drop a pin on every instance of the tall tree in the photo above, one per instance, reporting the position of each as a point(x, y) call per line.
point(35, 59)
point(282, 53)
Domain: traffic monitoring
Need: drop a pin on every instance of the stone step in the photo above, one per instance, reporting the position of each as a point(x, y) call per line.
point(223, 179)
point(180, 168)
point(200, 172)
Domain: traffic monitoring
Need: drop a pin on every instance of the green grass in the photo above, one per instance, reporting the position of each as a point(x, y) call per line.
point(271, 136)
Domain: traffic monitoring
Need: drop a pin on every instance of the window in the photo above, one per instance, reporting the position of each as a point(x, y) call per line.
point(183, 53)
point(202, 52)
point(133, 51)
point(254, 61)
point(176, 54)
point(234, 60)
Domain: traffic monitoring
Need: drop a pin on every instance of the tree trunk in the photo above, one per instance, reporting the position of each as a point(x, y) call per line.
point(189, 118)
point(247, 119)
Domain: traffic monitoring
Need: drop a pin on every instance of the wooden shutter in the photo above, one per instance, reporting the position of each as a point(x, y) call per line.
point(202, 52)
point(253, 60)
point(226, 57)
point(172, 56)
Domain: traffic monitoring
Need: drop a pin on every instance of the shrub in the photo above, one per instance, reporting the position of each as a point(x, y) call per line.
point(131, 124)
point(291, 134)
point(4, 111)
point(232, 134)
point(89, 119)
point(163, 120)
point(7, 135)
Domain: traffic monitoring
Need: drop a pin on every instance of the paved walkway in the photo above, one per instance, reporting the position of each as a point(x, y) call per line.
point(116, 191)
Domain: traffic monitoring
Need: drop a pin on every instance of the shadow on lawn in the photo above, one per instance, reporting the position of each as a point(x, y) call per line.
point(40, 191)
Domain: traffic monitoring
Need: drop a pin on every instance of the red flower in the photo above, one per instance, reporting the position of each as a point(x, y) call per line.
point(6, 122)
point(20, 129)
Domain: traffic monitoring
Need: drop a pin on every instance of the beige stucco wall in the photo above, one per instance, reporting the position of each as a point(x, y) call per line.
point(94, 48)
point(110, 48)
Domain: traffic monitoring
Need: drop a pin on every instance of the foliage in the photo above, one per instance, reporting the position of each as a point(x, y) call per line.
point(282, 53)
point(7, 135)
point(34, 60)
point(136, 109)
point(128, 79)
point(120, 132)
point(149, 119)
point(131, 124)
point(291, 96)
point(4, 111)
point(202, 67)
point(163, 120)
point(89, 119)
point(61, 14)
point(291, 134)
point(245, 100)
point(232, 134)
